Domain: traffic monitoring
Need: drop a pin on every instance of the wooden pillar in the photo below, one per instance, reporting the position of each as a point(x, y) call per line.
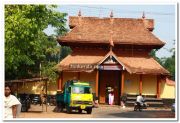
point(78, 76)
point(158, 86)
point(122, 83)
point(97, 83)
point(60, 81)
point(140, 84)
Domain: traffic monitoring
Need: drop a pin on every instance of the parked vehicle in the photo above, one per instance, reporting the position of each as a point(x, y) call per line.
point(76, 95)
point(36, 100)
point(138, 106)
point(53, 101)
point(26, 103)
point(173, 107)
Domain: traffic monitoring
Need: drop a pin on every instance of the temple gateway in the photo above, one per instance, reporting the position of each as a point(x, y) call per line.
point(114, 52)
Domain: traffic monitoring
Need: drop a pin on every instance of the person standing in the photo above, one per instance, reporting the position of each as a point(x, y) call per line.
point(111, 97)
point(108, 91)
point(12, 105)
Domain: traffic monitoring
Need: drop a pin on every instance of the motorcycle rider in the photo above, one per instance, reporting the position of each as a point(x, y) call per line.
point(140, 101)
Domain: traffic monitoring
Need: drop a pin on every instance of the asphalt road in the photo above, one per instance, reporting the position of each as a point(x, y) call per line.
point(101, 112)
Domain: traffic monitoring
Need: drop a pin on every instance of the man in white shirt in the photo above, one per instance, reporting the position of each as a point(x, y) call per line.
point(12, 105)
point(139, 101)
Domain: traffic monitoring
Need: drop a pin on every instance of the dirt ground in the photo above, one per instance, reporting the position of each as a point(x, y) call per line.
point(104, 111)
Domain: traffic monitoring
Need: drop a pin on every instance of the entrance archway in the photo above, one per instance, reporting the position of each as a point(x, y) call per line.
point(110, 78)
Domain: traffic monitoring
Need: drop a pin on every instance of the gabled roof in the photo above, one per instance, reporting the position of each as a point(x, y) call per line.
point(111, 53)
point(98, 30)
point(134, 65)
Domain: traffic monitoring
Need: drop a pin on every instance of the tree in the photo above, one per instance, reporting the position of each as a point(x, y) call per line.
point(167, 62)
point(153, 54)
point(64, 52)
point(26, 45)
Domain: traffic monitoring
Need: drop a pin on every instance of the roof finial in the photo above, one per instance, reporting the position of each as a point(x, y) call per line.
point(79, 13)
point(143, 16)
point(111, 43)
point(111, 14)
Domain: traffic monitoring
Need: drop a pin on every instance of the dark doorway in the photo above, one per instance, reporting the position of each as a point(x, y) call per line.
point(110, 78)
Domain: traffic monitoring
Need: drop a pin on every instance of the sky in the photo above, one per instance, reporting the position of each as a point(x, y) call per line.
point(163, 15)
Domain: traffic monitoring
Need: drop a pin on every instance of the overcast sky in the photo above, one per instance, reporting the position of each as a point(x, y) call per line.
point(163, 15)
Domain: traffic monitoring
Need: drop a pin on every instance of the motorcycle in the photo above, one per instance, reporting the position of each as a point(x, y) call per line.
point(140, 106)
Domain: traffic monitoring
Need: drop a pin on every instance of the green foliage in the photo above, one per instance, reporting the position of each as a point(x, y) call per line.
point(153, 54)
point(47, 70)
point(64, 52)
point(167, 62)
point(26, 44)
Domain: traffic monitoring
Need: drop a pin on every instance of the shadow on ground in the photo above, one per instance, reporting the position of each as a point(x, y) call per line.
point(64, 111)
point(144, 114)
point(34, 112)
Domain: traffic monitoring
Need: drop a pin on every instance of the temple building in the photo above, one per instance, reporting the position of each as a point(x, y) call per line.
point(114, 52)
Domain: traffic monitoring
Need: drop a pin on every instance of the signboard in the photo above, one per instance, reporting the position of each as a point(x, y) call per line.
point(110, 67)
point(82, 66)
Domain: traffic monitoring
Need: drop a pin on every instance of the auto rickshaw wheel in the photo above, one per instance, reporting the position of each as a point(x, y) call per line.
point(89, 110)
point(80, 111)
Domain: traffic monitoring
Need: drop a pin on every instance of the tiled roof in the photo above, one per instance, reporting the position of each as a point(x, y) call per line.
point(143, 65)
point(134, 65)
point(99, 30)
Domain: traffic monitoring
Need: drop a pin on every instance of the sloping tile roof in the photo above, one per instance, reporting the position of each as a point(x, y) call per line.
point(80, 58)
point(98, 30)
point(134, 65)
point(143, 65)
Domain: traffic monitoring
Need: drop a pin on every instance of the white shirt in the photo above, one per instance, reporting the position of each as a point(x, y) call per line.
point(9, 102)
point(140, 99)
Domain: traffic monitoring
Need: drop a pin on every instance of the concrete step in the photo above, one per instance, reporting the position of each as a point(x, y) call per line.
point(151, 104)
point(105, 105)
point(147, 96)
point(146, 99)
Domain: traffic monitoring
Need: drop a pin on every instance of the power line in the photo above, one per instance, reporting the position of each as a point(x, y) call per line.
point(104, 12)
point(127, 11)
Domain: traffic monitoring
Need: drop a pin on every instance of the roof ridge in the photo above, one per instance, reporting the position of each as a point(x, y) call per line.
point(100, 18)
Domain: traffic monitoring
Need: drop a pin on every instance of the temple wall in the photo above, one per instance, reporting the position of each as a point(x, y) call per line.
point(84, 76)
point(167, 91)
point(149, 84)
point(69, 76)
point(89, 77)
point(131, 84)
